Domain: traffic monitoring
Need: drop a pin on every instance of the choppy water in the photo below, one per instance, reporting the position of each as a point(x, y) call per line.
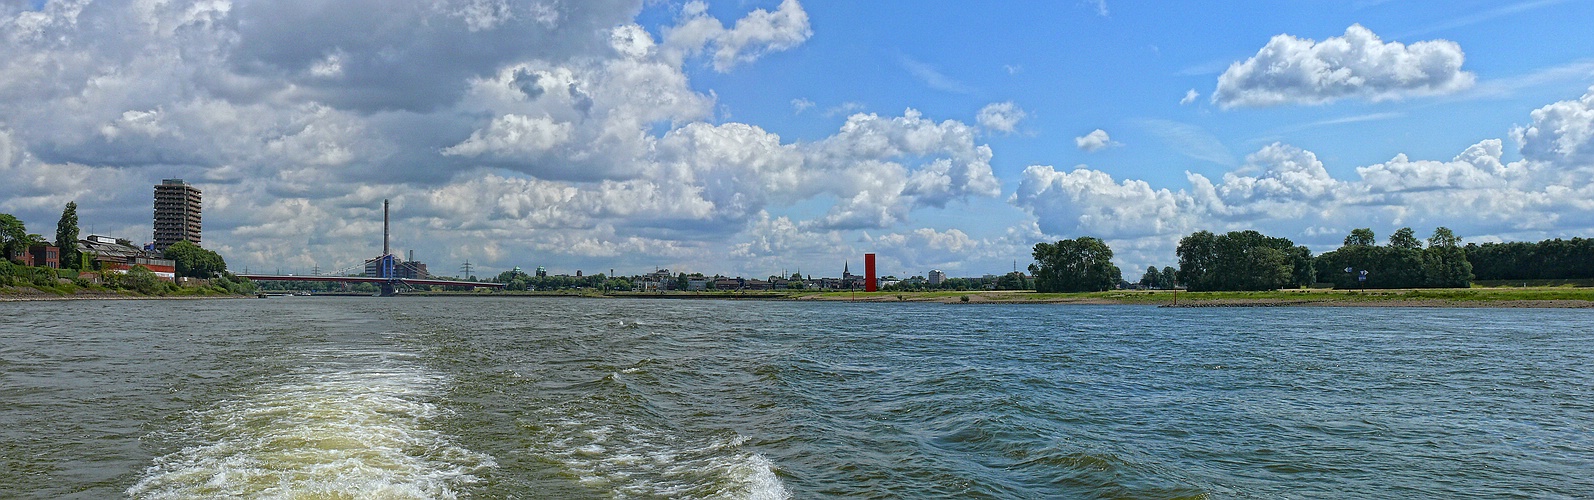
point(570, 398)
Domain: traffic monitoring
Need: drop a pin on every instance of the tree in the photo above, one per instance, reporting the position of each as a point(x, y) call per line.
point(1361, 238)
point(66, 236)
point(195, 262)
point(1443, 237)
point(1405, 238)
point(1446, 267)
point(141, 279)
point(1170, 277)
point(1152, 278)
point(1013, 281)
point(1242, 260)
point(13, 236)
point(1079, 265)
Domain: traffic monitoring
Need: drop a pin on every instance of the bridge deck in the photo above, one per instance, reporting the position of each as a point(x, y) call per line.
point(367, 279)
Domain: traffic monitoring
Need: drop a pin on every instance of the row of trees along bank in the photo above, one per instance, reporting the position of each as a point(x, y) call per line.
point(1403, 263)
point(1249, 260)
point(1555, 259)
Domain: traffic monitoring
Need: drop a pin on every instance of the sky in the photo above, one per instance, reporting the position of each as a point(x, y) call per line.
point(764, 137)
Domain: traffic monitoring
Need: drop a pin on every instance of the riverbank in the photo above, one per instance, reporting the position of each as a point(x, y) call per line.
point(1509, 297)
point(30, 294)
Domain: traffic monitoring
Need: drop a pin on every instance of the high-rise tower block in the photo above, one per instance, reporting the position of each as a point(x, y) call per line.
point(176, 213)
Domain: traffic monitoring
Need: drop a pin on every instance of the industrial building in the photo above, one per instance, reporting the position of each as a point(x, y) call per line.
point(114, 254)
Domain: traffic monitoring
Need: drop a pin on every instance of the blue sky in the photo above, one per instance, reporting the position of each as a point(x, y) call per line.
point(755, 137)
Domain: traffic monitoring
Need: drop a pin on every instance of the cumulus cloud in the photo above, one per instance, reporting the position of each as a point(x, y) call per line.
point(514, 136)
point(1189, 97)
point(760, 33)
point(1291, 70)
point(1561, 133)
point(1096, 140)
point(868, 166)
point(1287, 191)
point(505, 128)
point(1001, 116)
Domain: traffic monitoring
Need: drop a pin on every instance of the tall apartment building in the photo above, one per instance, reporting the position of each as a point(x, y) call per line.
point(176, 213)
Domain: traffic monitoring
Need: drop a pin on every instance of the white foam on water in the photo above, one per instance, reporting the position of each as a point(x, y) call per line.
point(338, 433)
point(632, 460)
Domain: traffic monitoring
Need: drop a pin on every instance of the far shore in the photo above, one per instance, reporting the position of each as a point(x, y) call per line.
point(25, 294)
point(1561, 297)
point(1558, 297)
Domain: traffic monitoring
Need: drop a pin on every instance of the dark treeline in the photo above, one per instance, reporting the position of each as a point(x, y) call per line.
point(1242, 260)
point(1403, 263)
point(1555, 259)
point(1077, 265)
point(1249, 260)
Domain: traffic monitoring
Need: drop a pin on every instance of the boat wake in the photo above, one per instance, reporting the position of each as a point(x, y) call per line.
point(326, 433)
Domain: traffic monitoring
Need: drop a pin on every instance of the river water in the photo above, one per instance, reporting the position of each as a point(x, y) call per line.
point(585, 398)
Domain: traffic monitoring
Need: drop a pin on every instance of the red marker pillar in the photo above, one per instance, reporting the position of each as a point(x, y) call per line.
point(869, 284)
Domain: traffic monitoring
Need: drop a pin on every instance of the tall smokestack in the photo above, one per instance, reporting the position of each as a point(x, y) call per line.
point(385, 250)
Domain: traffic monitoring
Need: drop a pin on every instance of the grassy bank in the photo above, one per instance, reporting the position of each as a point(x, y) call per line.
point(1432, 297)
point(67, 291)
point(1556, 296)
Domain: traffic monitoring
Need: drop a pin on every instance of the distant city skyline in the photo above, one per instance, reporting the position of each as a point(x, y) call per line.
point(761, 137)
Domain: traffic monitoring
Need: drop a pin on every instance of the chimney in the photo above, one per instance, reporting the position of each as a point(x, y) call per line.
point(385, 250)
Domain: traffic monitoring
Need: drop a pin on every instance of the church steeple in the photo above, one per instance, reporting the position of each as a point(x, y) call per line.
point(844, 271)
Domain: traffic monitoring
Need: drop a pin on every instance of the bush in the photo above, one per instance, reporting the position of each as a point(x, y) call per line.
point(142, 280)
point(43, 276)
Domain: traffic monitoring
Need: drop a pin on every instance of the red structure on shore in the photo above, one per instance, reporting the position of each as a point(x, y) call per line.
point(869, 283)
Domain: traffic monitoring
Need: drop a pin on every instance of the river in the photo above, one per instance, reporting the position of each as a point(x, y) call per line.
point(466, 397)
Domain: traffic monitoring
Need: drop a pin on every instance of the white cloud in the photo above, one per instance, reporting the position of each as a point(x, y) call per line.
point(1189, 97)
point(1561, 133)
point(1096, 140)
point(1189, 140)
point(760, 33)
point(799, 105)
point(1287, 191)
point(933, 78)
point(880, 168)
point(1089, 202)
point(1001, 116)
point(845, 108)
point(1099, 5)
point(514, 136)
point(1290, 70)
